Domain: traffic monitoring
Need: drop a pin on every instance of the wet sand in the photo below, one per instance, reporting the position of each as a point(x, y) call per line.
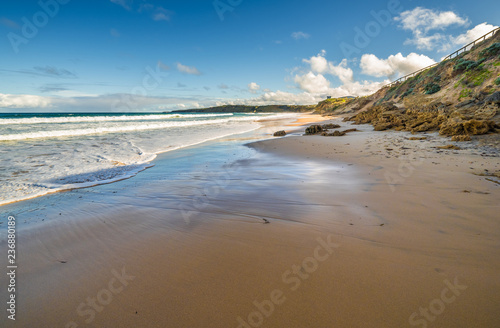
point(302, 231)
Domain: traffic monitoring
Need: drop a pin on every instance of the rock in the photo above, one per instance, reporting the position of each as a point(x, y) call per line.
point(471, 127)
point(335, 133)
point(349, 130)
point(314, 129)
point(330, 126)
point(494, 98)
point(465, 103)
point(449, 147)
point(279, 133)
point(486, 112)
point(461, 138)
point(382, 126)
point(417, 138)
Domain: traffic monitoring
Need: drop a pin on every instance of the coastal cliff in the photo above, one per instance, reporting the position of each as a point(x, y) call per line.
point(458, 97)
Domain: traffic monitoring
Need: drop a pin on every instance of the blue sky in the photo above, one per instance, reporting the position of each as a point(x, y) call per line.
point(145, 55)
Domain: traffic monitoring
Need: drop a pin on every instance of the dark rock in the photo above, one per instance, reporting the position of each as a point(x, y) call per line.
point(279, 133)
point(493, 98)
point(465, 103)
point(330, 126)
point(314, 129)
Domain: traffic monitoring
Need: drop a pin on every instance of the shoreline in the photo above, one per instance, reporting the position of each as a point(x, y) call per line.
point(140, 166)
point(191, 231)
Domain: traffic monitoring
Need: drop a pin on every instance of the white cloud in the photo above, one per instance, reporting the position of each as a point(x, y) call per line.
point(188, 69)
point(320, 65)
point(23, 101)
point(394, 64)
point(253, 87)
point(473, 34)
point(300, 35)
point(313, 83)
point(422, 20)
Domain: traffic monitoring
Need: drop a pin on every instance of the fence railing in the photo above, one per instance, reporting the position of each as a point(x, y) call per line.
point(453, 54)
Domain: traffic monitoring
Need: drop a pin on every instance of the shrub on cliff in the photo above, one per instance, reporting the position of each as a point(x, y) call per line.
point(431, 88)
point(491, 50)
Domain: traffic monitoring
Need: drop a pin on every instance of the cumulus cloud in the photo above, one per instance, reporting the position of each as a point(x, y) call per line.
point(300, 35)
point(394, 64)
point(473, 34)
point(313, 83)
point(188, 69)
point(320, 65)
point(253, 87)
point(79, 102)
point(421, 21)
point(23, 101)
point(315, 80)
point(428, 19)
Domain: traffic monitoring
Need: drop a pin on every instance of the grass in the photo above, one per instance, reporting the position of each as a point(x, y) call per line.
point(465, 93)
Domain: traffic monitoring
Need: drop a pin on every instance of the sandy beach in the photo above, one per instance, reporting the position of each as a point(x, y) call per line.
point(370, 229)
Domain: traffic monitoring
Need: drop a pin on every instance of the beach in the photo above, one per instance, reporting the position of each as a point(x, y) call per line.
point(370, 229)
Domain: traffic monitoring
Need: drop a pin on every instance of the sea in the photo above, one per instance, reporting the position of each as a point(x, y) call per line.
point(50, 152)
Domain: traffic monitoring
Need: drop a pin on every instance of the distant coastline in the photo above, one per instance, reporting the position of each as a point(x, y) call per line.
point(249, 109)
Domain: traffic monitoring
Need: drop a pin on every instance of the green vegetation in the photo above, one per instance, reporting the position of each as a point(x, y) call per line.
point(431, 88)
point(475, 78)
point(465, 93)
point(497, 81)
point(467, 65)
point(407, 93)
point(492, 50)
point(331, 104)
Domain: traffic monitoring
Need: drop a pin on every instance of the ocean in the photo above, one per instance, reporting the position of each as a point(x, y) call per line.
point(45, 153)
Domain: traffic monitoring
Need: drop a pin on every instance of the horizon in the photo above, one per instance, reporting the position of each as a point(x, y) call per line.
point(147, 57)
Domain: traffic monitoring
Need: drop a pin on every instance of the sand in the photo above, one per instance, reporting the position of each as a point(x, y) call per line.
point(366, 230)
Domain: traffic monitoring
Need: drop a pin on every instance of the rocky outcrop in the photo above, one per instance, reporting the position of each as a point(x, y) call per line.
point(279, 133)
point(314, 129)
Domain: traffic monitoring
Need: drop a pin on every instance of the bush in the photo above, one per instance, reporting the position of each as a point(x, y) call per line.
point(491, 50)
point(407, 93)
point(467, 65)
point(497, 81)
point(431, 88)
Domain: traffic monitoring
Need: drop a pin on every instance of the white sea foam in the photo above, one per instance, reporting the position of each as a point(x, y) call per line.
point(38, 158)
point(113, 129)
point(110, 118)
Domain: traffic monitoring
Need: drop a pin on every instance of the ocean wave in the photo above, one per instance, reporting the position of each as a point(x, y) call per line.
point(110, 118)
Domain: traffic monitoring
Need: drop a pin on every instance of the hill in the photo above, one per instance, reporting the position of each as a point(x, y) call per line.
point(459, 96)
point(250, 109)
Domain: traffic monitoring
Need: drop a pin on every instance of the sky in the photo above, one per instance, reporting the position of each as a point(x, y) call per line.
point(150, 56)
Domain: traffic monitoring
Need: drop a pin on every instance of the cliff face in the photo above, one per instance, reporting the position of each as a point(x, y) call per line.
point(460, 96)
